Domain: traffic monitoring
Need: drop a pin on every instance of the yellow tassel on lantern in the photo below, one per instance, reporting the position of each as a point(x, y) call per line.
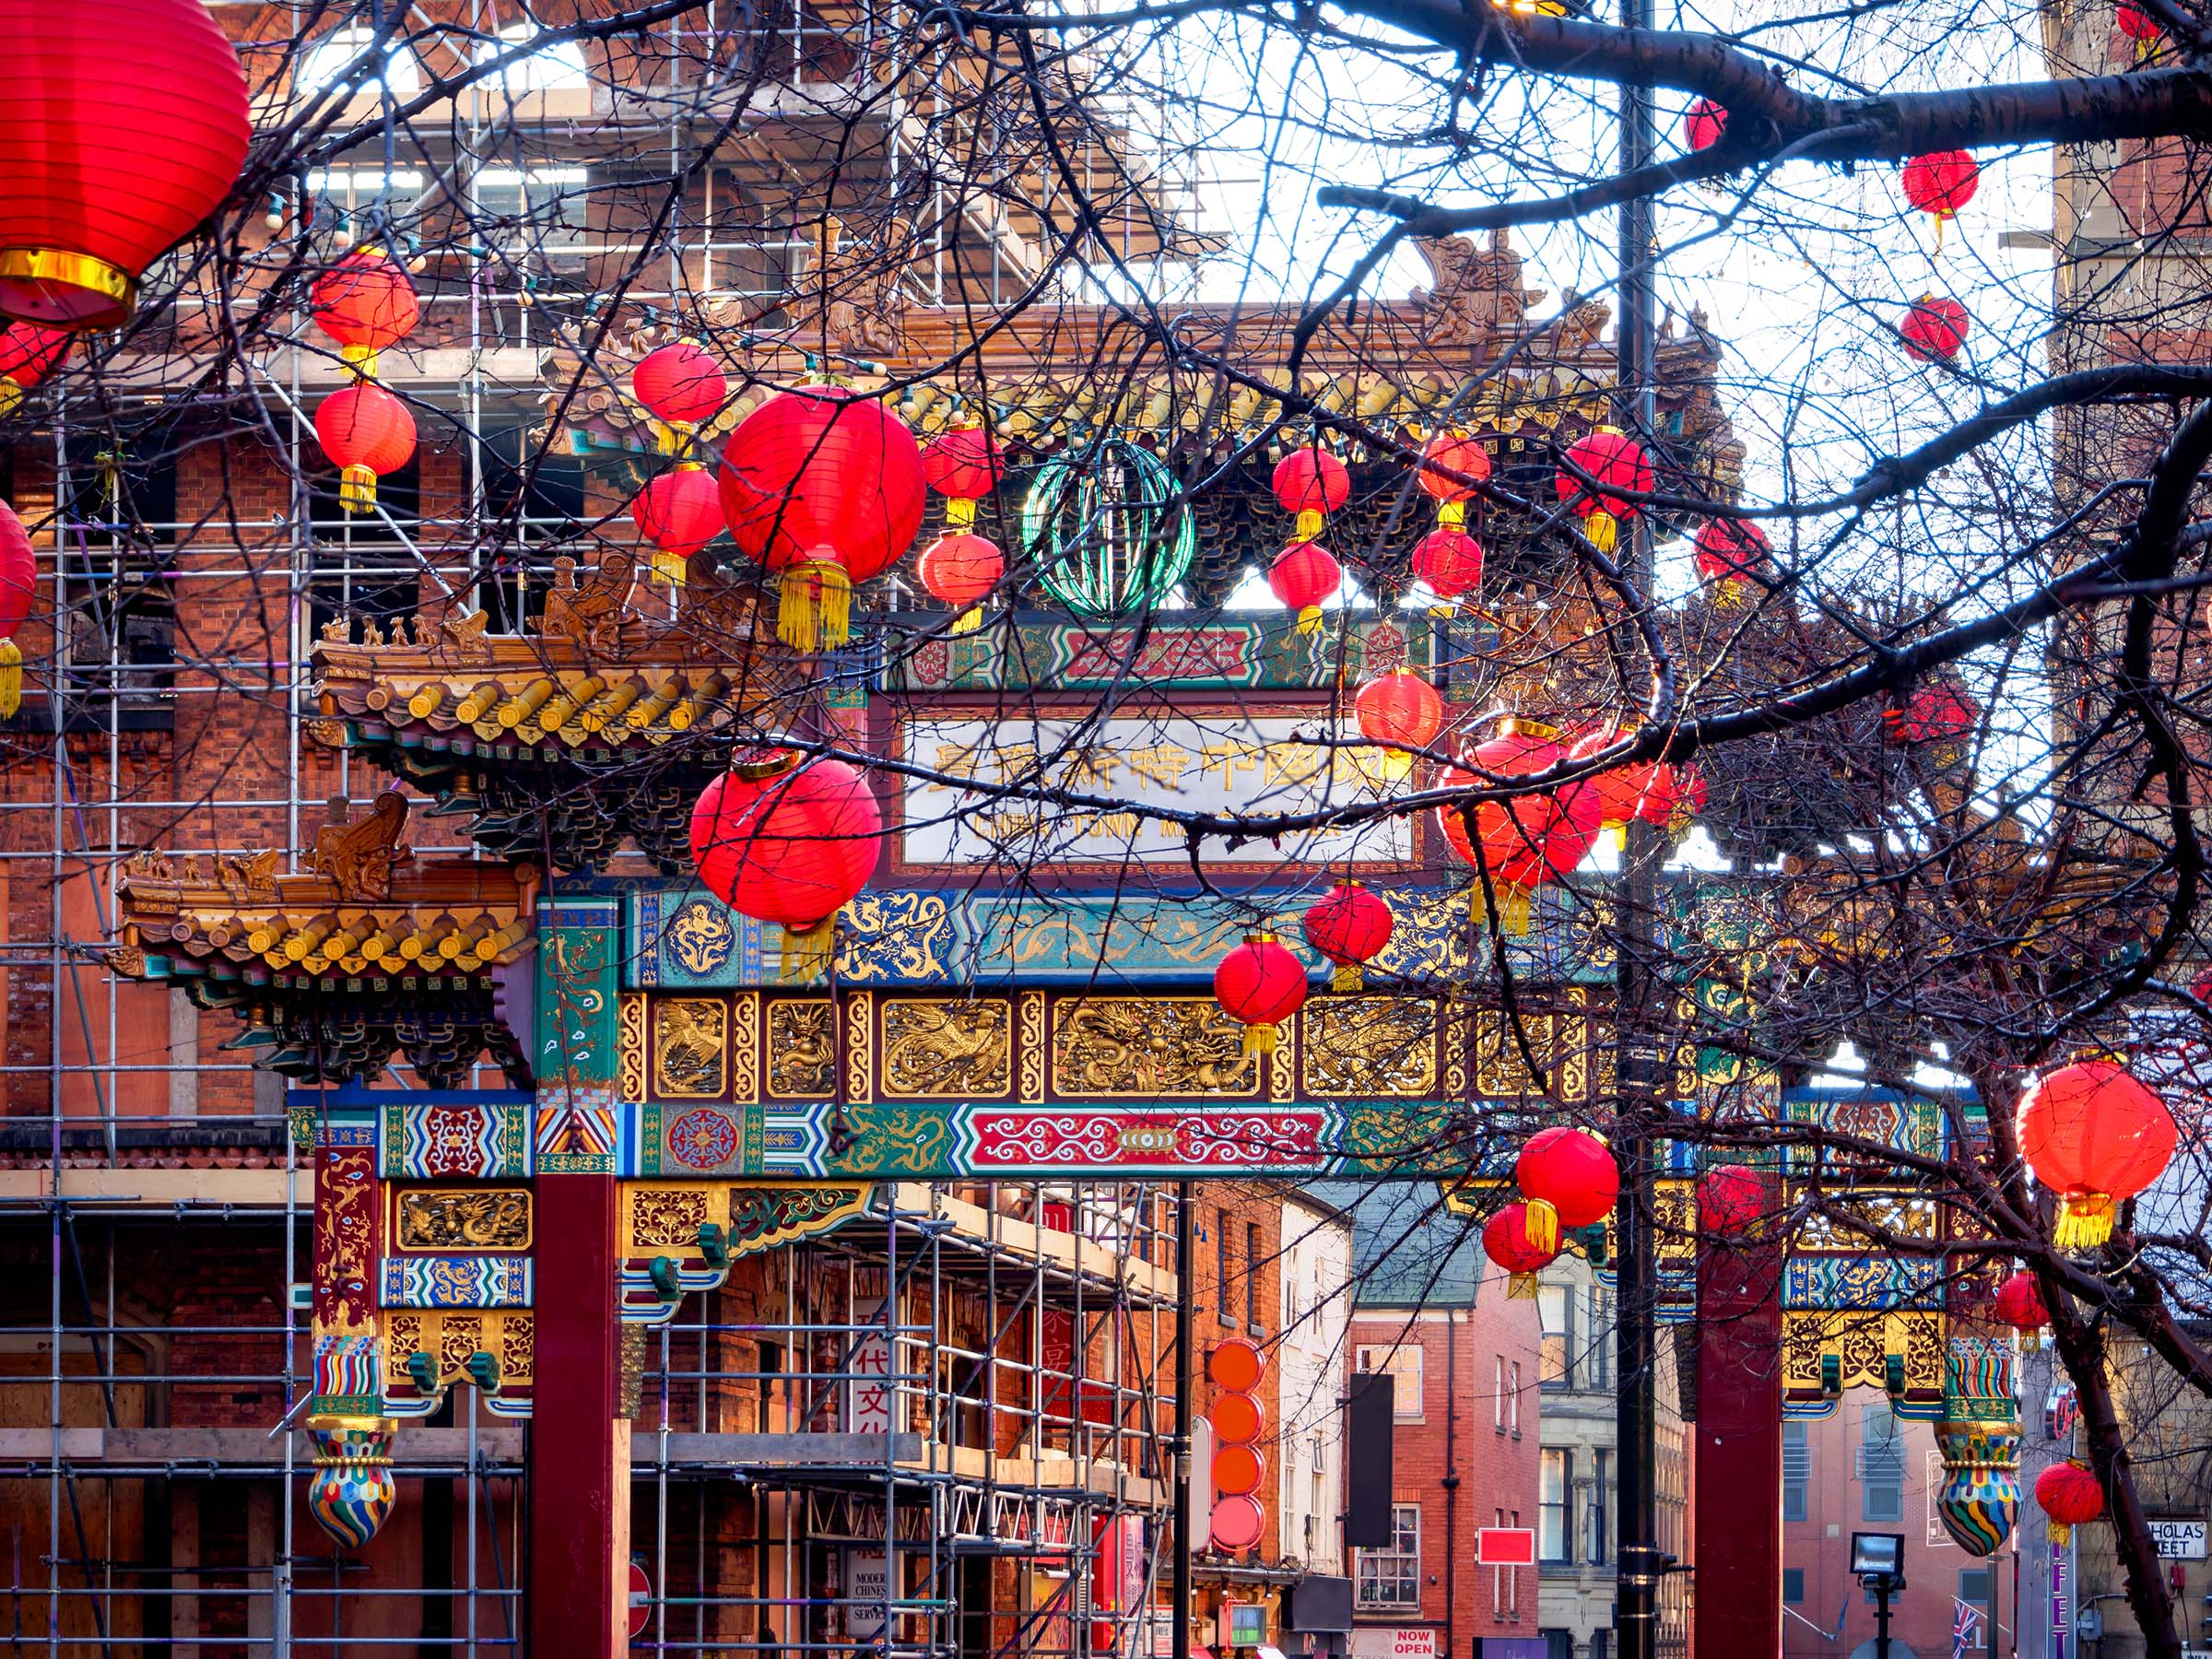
point(968, 622)
point(1310, 522)
point(362, 359)
point(673, 437)
point(1452, 516)
point(960, 512)
point(1521, 1286)
point(11, 394)
point(2084, 1220)
point(1348, 980)
point(11, 679)
point(1512, 913)
point(807, 952)
point(1309, 619)
point(1540, 1225)
point(2059, 1533)
point(814, 604)
point(357, 490)
point(1259, 1040)
point(1604, 531)
point(670, 568)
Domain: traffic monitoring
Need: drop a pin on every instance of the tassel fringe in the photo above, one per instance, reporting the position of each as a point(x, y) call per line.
point(1541, 1225)
point(814, 605)
point(362, 359)
point(2084, 1220)
point(357, 490)
point(670, 568)
point(968, 622)
point(1348, 980)
point(11, 679)
point(2059, 1532)
point(960, 512)
point(11, 394)
point(1309, 523)
point(1309, 619)
point(807, 952)
point(1521, 1286)
point(1259, 1040)
point(1604, 531)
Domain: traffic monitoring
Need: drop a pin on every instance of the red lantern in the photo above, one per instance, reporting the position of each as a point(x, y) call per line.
point(1937, 711)
point(680, 385)
point(1461, 455)
point(2019, 1303)
point(961, 570)
point(1704, 123)
point(1449, 560)
point(1570, 1180)
point(1399, 708)
point(1348, 924)
point(823, 490)
point(1505, 1242)
point(1940, 183)
point(124, 126)
point(2141, 28)
point(1527, 840)
point(1731, 1198)
point(1730, 551)
point(19, 585)
point(365, 302)
point(2095, 1135)
point(790, 843)
point(1311, 483)
point(2070, 1496)
point(1657, 791)
point(1617, 461)
point(679, 513)
point(1262, 984)
point(1935, 328)
point(964, 464)
point(367, 432)
point(1303, 575)
point(27, 355)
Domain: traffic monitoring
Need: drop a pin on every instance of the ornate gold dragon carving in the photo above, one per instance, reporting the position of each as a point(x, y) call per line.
point(1370, 1045)
point(946, 1048)
point(467, 1219)
point(690, 1037)
point(802, 1048)
point(1142, 1045)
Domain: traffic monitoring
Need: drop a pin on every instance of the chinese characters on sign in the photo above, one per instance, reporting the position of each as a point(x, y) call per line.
point(868, 1392)
point(1225, 765)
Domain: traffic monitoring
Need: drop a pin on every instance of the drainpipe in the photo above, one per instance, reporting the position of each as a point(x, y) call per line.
point(1451, 1482)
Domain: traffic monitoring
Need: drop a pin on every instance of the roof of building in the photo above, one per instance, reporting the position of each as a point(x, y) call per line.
point(1407, 1250)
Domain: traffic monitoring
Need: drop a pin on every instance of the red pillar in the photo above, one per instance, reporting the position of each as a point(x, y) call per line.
point(579, 1581)
point(1738, 1523)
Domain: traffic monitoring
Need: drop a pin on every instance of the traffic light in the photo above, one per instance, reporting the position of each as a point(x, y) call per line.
point(1236, 1367)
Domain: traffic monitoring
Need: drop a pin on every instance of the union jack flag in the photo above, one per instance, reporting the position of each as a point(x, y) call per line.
point(1966, 1628)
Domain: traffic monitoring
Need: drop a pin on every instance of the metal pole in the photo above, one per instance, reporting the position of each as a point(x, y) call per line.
point(1636, 1614)
point(1186, 1210)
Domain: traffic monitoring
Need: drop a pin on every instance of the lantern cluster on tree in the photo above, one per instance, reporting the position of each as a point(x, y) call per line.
point(1652, 791)
point(1704, 123)
point(1449, 560)
point(961, 568)
point(124, 126)
point(1567, 1179)
point(1349, 925)
point(1612, 460)
point(1940, 183)
point(1309, 483)
point(680, 510)
point(1731, 1198)
point(823, 490)
point(2019, 1303)
point(1730, 554)
point(790, 843)
point(29, 353)
point(1528, 840)
point(1505, 1240)
point(1262, 984)
point(2095, 1135)
point(1400, 711)
point(18, 582)
point(1935, 328)
point(366, 303)
point(1938, 712)
point(2070, 1496)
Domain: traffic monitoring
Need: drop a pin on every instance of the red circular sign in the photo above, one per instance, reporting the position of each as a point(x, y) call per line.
point(640, 1599)
point(1239, 1522)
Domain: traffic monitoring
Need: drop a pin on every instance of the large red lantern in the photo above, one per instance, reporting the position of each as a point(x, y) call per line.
point(367, 432)
point(1570, 1181)
point(1731, 552)
point(680, 386)
point(823, 490)
point(1617, 461)
point(1935, 328)
point(1505, 1240)
point(1449, 560)
point(963, 465)
point(1348, 924)
point(29, 353)
point(961, 570)
point(1528, 840)
point(1399, 708)
point(1460, 455)
point(365, 302)
point(679, 513)
point(125, 125)
point(1262, 984)
point(790, 843)
point(1937, 711)
point(2019, 1303)
point(1731, 1198)
point(1656, 791)
point(2095, 1135)
point(1309, 483)
point(19, 586)
point(2070, 1496)
point(1704, 123)
point(1304, 576)
point(1941, 182)
point(2141, 28)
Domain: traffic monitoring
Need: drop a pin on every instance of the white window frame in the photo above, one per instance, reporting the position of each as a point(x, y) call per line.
point(1398, 1567)
point(1401, 1360)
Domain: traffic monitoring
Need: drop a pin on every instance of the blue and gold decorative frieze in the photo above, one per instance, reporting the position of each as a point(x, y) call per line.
point(456, 1281)
point(481, 1137)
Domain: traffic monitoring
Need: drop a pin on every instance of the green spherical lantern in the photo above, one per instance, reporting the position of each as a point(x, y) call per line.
point(1100, 526)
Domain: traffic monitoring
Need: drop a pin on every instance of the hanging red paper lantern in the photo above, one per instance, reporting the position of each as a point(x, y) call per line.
point(1730, 551)
point(790, 843)
point(1348, 924)
point(1731, 1198)
point(1657, 791)
point(1527, 840)
point(679, 513)
point(2019, 1303)
point(2095, 1135)
point(1505, 1240)
point(1449, 560)
point(823, 490)
point(1568, 1179)
point(125, 125)
point(1311, 483)
point(1937, 711)
point(1941, 182)
point(1460, 455)
point(680, 385)
point(2070, 1496)
point(1704, 123)
point(1262, 984)
point(963, 465)
point(1935, 328)
point(2141, 28)
point(1617, 461)
point(367, 432)
point(27, 355)
point(365, 302)
point(961, 570)
point(1399, 708)
point(19, 586)
point(1303, 576)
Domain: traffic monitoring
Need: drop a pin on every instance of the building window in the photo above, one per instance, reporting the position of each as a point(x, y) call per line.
point(1555, 1363)
point(1221, 1238)
point(1597, 1346)
point(1881, 1464)
point(1796, 1470)
point(1598, 1545)
point(1498, 1397)
point(1390, 1578)
point(1252, 1275)
point(1513, 1409)
point(1793, 1586)
point(1402, 1361)
point(1555, 1485)
point(559, 63)
point(1973, 1587)
point(337, 52)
